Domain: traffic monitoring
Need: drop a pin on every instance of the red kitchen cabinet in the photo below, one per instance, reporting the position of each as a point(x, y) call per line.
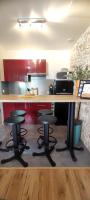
point(36, 66)
point(31, 109)
point(39, 106)
point(7, 108)
point(41, 66)
point(16, 70)
point(31, 66)
point(34, 107)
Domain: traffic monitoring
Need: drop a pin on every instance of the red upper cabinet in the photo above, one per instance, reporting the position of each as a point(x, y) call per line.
point(41, 66)
point(31, 66)
point(36, 66)
point(16, 70)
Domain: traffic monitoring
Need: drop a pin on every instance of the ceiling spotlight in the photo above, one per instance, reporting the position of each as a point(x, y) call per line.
point(30, 21)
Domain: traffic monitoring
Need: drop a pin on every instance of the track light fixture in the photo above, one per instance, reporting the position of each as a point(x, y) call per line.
point(30, 21)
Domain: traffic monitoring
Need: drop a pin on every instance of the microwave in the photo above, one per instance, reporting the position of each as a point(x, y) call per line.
point(63, 87)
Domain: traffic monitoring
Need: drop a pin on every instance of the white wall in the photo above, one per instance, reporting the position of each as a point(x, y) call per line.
point(56, 59)
point(1, 70)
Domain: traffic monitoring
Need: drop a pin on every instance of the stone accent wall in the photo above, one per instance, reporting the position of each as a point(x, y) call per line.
point(81, 56)
point(85, 116)
point(81, 51)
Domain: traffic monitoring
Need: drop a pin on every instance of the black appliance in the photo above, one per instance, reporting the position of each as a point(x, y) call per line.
point(62, 87)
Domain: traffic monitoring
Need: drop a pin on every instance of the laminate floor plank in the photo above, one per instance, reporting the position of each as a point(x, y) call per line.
point(45, 184)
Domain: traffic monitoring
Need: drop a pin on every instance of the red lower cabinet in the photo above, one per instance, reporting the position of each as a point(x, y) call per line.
point(7, 108)
point(31, 109)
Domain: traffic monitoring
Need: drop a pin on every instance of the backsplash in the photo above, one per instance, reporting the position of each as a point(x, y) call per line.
point(20, 87)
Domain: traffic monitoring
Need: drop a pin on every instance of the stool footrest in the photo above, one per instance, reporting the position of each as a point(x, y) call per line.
point(41, 130)
point(23, 132)
point(52, 140)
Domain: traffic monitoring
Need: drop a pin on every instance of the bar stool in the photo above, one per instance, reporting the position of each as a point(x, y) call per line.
point(21, 113)
point(46, 120)
point(40, 140)
point(17, 147)
point(18, 113)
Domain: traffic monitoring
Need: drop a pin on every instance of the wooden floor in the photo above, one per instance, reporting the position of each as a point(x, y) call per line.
point(45, 184)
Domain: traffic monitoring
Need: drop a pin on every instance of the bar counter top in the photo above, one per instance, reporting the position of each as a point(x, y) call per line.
point(41, 98)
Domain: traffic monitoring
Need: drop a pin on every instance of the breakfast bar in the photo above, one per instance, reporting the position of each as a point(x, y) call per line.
point(71, 99)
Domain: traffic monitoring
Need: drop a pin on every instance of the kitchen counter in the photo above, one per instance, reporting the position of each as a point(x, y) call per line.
point(41, 98)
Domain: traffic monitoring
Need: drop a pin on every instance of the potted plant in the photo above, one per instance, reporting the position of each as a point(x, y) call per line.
point(78, 73)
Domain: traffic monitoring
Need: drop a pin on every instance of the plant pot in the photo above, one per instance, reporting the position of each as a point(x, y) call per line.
point(77, 131)
point(76, 87)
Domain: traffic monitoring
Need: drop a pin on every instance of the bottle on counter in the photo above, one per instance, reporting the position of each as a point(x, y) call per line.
point(51, 89)
point(28, 91)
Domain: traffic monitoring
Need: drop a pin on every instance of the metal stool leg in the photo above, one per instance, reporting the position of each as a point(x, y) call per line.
point(47, 150)
point(17, 152)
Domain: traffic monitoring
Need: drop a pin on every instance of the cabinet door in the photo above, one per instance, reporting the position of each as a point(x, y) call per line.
point(15, 70)
point(22, 70)
point(36, 66)
point(31, 66)
point(9, 71)
point(7, 108)
point(34, 107)
point(40, 106)
point(31, 116)
point(19, 106)
point(41, 66)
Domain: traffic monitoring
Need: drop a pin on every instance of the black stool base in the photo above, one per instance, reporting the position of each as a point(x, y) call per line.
point(47, 154)
point(3, 150)
point(71, 150)
point(52, 140)
point(18, 158)
point(22, 142)
point(11, 147)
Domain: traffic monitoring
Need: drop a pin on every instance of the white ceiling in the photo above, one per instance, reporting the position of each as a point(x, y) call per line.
point(57, 34)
